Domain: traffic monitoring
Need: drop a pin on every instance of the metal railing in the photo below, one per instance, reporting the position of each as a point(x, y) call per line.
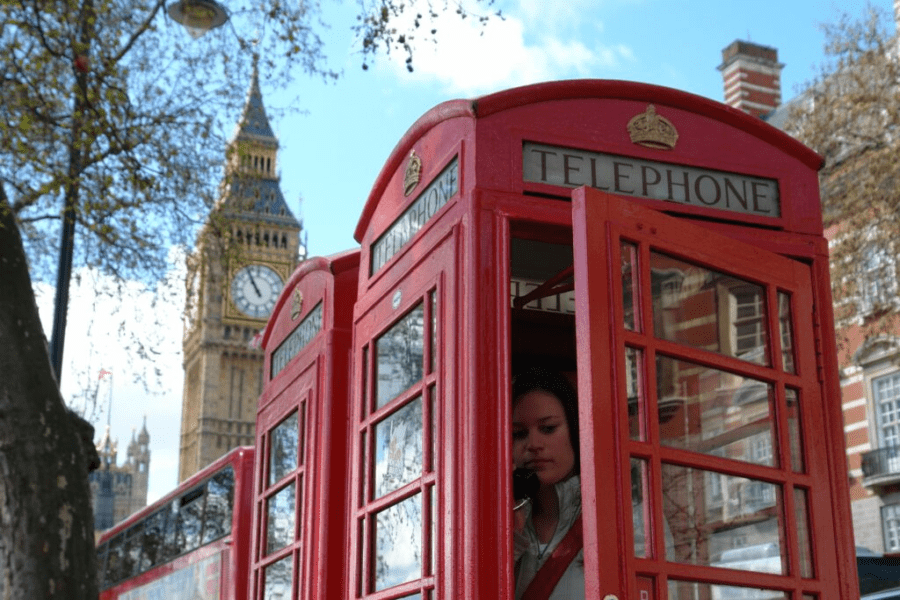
point(881, 462)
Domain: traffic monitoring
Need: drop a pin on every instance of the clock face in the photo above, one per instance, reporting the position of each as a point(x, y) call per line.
point(255, 289)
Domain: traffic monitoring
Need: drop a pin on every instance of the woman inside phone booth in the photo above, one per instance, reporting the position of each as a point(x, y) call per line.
point(547, 539)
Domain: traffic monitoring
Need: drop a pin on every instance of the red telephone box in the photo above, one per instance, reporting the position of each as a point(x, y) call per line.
point(301, 463)
point(667, 252)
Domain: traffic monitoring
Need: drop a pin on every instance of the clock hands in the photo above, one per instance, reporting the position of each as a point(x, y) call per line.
point(253, 282)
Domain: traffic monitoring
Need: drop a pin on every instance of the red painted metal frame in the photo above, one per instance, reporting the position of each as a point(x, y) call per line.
point(235, 547)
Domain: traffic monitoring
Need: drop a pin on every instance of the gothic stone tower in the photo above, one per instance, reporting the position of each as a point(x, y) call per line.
point(247, 249)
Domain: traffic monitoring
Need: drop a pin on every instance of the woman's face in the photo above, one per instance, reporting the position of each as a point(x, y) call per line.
point(541, 437)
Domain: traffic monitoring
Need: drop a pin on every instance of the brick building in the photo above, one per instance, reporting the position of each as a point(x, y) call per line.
point(869, 361)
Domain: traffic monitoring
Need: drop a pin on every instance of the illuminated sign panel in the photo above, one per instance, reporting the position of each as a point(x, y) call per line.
point(431, 200)
point(630, 176)
point(302, 335)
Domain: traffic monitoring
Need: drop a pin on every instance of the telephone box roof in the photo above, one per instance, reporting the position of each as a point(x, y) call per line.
point(578, 89)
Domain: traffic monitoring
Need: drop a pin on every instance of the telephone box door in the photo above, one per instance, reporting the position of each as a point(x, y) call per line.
point(705, 469)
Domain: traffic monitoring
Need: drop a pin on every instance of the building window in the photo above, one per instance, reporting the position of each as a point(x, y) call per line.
point(886, 391)
point(890, 522)
point(877, 279)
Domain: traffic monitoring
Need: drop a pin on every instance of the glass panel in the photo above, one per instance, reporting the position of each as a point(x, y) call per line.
point(801, 515)
point(692, 590)
point(283, 447)
point(794, 430)
point(533, 263)
point(432, 429)
point(434, 519)
point(365, 381)
point(190, 520)
point(721, 520)
point(154, 528)
point(114, 560)
point(219, 502)
point(398, 448)
point(364, 468)
point(629, 284)
point(131, 557)
point(786, 328)
point(278, 577)
point(634, 391)
point(398, 543)
point(714, 412)
point(705, 309)
point(301, 442)
point(170, 543)
point(639, 508)
point(399, 353)
point(361, 556)
point(282, 518)
point(434, 326)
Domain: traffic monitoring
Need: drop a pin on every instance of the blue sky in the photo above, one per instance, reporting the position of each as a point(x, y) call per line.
point(333, 150)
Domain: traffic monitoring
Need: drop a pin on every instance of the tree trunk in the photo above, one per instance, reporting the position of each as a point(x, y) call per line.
point(46, 522)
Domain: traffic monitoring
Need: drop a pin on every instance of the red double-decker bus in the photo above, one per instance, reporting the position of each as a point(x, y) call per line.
point(193, 544)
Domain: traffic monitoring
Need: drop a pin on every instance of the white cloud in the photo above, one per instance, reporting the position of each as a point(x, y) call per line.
point(529, 45)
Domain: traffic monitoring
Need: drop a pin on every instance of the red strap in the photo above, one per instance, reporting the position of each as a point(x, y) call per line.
point(551, 572)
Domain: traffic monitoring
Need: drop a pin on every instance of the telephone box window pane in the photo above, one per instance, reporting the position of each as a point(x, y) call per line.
point(281, 519)
point(278, 577)
point(399, 355)
point(722, 520)
point(639, 507)
point(398, 448)
point(691, 590)
point(786, 329)
point(284, 445)
point(702, 308)
point(792, 398)
point(714, 412)
point(533, 263)
point(634, 391)
point(629, 284)
point(398, 543)
point(801, 515)
point(432, 352)
point(365, 381)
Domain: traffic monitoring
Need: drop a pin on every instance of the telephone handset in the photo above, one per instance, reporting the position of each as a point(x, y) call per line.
point(525, 486)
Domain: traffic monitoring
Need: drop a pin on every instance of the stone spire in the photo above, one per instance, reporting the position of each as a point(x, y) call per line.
point(253, 191)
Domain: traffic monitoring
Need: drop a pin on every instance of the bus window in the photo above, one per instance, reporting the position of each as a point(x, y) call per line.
point(190, 520)
point(219, 502)
point(154, 528)
point(131, 555)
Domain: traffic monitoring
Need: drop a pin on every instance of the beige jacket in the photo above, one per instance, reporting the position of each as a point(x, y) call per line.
point(531, 555)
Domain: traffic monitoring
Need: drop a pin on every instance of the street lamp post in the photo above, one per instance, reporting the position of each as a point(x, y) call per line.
point(198, 17)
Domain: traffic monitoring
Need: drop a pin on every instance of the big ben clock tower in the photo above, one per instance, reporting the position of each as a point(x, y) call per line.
point(247, 249)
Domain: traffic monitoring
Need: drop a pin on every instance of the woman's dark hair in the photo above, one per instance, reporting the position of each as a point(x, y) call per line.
point(552, 382)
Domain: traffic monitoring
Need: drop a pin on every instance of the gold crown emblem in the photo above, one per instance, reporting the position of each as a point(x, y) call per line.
point(651, 130)
point(413, 171)
point(296, 304)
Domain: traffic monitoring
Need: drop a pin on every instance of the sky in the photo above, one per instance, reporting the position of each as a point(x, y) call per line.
point(337, 136)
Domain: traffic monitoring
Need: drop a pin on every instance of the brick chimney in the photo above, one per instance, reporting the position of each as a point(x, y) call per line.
point(751, 75)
